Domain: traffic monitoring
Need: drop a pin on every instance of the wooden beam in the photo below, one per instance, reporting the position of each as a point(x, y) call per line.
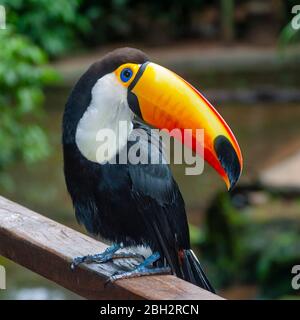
point(47, 248)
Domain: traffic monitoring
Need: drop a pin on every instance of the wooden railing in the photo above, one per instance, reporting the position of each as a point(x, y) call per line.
point(47, 248)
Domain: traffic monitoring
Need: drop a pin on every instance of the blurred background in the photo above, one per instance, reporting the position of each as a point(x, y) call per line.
point(244, 57)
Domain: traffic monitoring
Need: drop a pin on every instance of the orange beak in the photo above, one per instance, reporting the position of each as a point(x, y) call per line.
point(166, 101)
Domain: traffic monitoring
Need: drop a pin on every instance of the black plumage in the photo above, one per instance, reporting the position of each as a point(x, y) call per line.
point(133, 204)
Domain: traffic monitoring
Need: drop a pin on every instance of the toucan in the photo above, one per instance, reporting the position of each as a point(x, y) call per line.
point(138, 206)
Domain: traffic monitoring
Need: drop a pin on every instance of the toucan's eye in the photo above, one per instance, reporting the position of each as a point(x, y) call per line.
point(126, 74)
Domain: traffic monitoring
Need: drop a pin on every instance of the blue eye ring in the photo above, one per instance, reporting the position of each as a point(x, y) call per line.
point(126, 74)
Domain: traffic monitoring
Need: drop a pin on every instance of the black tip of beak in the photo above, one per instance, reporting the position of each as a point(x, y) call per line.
point(228, 159)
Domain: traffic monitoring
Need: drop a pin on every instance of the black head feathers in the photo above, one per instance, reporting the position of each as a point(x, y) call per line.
point(80, 96)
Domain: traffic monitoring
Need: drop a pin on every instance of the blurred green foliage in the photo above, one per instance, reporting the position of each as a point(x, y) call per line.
point(142, 20)
point(288, 36)
point(241, 250)
point(60, 26)
point(22, 76)
point(277, 258)
point(52, 25)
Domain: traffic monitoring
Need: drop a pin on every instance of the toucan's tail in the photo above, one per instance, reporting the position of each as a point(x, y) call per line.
point(192, 271)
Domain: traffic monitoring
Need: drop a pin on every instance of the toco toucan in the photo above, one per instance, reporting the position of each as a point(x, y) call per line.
point(138, 206)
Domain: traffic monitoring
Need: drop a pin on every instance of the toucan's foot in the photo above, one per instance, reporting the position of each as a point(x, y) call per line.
point(108, 255)
point(139, 272)
point(96, 258)
point(144, 269)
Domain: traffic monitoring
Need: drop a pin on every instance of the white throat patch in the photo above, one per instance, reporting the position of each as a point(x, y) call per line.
point(107, 108)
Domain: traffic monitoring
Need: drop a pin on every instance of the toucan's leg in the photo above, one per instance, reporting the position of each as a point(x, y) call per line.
point(144, 269)
point(108, 255)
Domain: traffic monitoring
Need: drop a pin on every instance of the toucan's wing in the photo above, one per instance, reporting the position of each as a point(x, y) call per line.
point(160, 203)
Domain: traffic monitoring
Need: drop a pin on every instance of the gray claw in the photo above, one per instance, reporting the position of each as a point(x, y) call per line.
point(77, 261)
point(112, 278)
